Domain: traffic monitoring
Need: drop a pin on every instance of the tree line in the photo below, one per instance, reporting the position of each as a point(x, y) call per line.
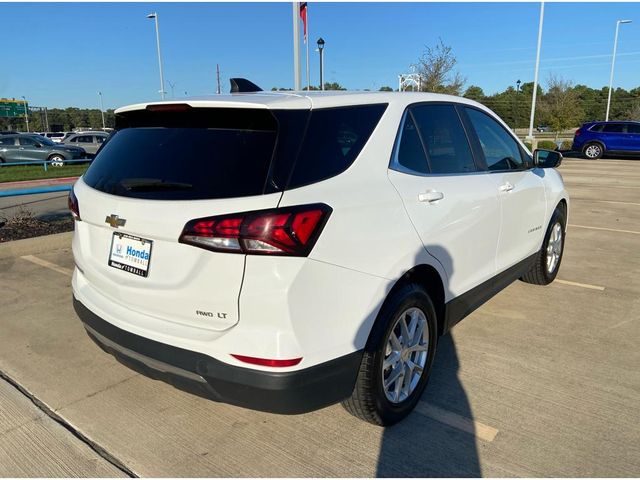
point(59, 119)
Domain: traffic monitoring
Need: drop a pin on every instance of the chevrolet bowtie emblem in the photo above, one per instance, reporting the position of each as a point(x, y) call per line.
point(115, 221)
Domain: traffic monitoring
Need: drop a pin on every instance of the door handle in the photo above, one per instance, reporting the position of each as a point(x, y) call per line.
point(507, 187)
point(430, 196)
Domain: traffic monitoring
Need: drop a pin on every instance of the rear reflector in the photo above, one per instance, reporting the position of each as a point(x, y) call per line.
point(74, 208)
point(266, 362)
point(291, 231)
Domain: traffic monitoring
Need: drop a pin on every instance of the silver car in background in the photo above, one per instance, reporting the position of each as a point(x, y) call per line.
point(89, 141)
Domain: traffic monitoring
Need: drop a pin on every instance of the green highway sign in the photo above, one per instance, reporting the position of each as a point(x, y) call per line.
point(12, 108)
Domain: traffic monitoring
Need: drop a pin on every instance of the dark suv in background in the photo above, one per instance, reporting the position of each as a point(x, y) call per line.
point(595, 139)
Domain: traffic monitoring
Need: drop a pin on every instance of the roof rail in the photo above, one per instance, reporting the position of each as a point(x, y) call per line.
point(242, 85)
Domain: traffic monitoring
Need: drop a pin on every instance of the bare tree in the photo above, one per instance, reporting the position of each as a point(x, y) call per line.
point(560, 107)
point(436, 69)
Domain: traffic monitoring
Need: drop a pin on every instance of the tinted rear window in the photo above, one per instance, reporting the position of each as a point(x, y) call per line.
point(204, 153)
point(197, 154)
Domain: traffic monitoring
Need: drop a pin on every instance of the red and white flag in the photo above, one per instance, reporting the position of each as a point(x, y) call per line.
point(303, 16)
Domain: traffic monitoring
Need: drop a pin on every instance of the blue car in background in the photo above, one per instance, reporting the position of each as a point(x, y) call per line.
point(595, 139)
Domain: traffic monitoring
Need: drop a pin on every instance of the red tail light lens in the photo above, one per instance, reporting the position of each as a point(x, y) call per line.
point(291, 231)
point(74, 208)
point(578, 132)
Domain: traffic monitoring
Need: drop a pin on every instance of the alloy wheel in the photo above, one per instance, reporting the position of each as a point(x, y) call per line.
point(554, 248)
point(405, 355)
point(593, 151)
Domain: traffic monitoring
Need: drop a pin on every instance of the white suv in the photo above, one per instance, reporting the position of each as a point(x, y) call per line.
point(284, 252)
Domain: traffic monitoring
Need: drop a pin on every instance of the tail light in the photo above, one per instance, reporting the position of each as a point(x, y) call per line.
point(74, 208)
point(291, 231)
point(578, 132)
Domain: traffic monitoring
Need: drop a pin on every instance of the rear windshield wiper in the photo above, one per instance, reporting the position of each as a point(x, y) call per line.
point(152, 184)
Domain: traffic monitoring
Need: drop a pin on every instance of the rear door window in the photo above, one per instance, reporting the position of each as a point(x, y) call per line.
point(410, 151)
point(613, 128)
point(633, 128)
point(448, 149)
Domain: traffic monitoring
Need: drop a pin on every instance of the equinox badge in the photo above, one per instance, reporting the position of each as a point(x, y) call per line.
point(115, 221)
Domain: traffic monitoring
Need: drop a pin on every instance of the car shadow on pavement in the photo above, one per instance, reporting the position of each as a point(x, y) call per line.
point(425, 444)
point(420, 445)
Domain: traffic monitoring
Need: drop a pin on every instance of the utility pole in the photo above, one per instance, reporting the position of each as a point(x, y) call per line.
point(46, 118)
point(218, 78)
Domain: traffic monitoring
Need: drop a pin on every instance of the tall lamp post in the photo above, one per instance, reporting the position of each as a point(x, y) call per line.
point(26, 115)
point(613, 63)
point(321, 49)
point(535, 76)
point(102, 110)
point(154, 15)
point(515, 120)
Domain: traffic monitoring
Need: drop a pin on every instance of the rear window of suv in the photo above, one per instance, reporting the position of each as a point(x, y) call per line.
point(211, 153)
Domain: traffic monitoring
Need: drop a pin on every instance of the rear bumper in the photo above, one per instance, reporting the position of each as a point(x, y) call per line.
point(277, 392)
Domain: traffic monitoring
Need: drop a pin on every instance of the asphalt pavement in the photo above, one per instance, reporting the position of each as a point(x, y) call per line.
point(540, 381)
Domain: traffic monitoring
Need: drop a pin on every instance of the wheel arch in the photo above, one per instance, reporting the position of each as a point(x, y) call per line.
point(427, 277)
point(54, 153)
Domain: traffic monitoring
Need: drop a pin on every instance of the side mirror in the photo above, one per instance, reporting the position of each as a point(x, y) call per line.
point(38, 145)
point(546, 158)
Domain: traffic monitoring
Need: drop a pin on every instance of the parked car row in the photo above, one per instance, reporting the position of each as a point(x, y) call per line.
point(31, 147)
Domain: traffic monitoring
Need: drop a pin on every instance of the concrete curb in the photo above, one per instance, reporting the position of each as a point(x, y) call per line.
point(31, 246)
point(45, 182)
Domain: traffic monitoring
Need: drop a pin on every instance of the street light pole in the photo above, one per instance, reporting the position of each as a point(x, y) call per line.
point(26, 115)
point(321, 50)
point(515, 119)
point(154, 15)
point(613, 63)
point(535, 78)
point(102, 110)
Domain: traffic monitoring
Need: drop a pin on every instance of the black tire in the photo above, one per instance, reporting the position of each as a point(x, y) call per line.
point(368, 400)
point(539, 274)
point(593, 151)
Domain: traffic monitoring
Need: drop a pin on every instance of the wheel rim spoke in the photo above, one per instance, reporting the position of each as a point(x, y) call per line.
point(406, 354)
point(391, 360)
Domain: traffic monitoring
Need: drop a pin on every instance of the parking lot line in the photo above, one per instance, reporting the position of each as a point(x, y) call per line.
point(49, 265)
point(479, 430)
point(605, 229)
point(576, 284)
point(605, 201)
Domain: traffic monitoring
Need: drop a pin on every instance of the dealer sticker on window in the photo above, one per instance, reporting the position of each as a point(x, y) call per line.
point(130, 254)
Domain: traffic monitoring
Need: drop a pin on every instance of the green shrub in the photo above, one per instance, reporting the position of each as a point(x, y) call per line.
point(566, 145)
point(528, 145)
point(547, 145)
